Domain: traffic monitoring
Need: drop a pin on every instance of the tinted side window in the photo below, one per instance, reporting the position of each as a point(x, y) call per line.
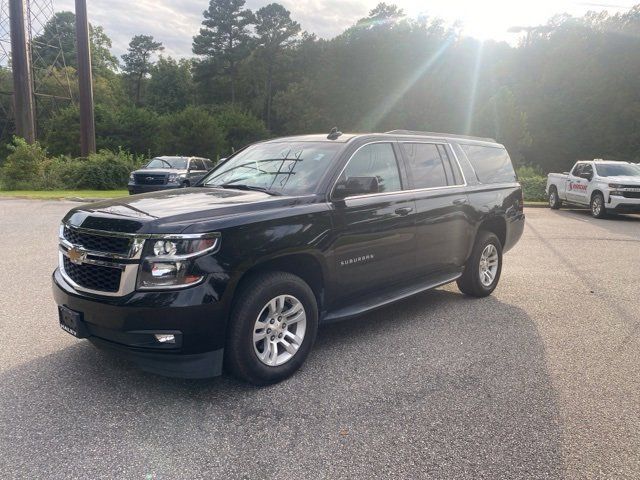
point(492, 164)
point(425, 164)
point(577, 169)
point(208, 164)
point(375, 160)
point(196, 164)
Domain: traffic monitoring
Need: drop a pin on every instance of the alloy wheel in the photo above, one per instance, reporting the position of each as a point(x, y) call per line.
point(488, 265)
point(279, 330)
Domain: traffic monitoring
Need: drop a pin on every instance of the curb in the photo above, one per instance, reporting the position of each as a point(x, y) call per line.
point(536, 205)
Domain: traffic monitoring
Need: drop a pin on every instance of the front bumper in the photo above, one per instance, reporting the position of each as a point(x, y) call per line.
point(135, 188)
point(127, 325)
point(623, 204)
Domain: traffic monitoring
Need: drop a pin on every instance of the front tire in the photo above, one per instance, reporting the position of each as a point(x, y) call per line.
point(598, 209)
point(272, 328)
point(554, 200)
point(482, 270)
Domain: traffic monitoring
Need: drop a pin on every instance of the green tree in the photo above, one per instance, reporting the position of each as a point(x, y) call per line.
point(59, 36)
point(170, 87)
point(239, 128)
point(137, 61)
point(224, 40)
point(275, 31)
point(193, 131)
point(501, 118)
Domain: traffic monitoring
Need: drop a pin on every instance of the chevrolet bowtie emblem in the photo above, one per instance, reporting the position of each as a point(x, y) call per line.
point(76, 256)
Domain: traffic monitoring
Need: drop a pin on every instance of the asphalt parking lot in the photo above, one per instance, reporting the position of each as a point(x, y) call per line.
point(541, 380)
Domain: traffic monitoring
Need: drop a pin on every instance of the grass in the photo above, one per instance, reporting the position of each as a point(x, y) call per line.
point(62, 194)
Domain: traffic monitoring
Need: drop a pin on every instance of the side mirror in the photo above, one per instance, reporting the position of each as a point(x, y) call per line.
point(357, 186)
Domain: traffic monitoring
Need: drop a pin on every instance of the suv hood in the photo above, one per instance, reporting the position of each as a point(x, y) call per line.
point(176, 211)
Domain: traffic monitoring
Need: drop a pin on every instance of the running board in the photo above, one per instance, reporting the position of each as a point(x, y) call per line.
point(371, 303)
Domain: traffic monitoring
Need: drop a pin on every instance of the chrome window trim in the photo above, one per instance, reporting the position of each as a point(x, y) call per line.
point(413, 190)
point(455, 157)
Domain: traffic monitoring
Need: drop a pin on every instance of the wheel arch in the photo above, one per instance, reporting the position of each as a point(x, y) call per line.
point(597, 190)
point(496, 225)
point(304, 265)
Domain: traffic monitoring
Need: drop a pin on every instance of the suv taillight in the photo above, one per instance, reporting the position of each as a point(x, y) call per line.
point(521, 202)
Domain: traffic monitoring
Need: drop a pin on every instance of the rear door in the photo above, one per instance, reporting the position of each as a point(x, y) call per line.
point(374, 242)
point(443, 226)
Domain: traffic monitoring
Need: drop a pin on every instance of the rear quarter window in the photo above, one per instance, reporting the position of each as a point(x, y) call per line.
point(492, 164)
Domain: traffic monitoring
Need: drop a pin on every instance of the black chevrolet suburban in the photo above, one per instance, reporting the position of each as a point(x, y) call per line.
point(240, 269)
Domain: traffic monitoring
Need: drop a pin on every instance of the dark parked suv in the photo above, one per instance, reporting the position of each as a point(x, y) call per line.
point(286, 234)
point(162, 173)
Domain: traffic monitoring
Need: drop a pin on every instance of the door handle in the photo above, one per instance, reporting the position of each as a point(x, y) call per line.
point(460, 201)
point(404, 211)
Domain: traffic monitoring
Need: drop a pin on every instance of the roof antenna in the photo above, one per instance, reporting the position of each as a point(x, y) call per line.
point(334, 134)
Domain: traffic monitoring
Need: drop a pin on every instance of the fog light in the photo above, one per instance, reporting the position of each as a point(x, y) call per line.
point(165, 338)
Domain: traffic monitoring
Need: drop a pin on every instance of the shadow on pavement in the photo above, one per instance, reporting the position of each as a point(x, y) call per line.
point(436, 386)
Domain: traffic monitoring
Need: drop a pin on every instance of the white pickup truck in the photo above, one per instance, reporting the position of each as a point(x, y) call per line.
point(604, 185)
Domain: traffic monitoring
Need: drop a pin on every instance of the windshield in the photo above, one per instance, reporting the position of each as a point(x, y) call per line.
point(617, 170)
point(168, 162)
point(289, 168)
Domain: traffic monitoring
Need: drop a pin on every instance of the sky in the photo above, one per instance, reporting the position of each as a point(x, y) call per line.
point(175, 22)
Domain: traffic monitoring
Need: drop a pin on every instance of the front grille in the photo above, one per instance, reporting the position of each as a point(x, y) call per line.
point(631, 194)
point(150, 179)
point(94, 277)
point(98, 243)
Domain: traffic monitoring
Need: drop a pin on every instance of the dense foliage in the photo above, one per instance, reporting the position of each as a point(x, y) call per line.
point(568, 91)
point(29, 167)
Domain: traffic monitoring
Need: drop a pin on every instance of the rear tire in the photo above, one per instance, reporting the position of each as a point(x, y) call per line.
point(598, 209)
point(482, 270)
point(554, 200)
point(272, 327)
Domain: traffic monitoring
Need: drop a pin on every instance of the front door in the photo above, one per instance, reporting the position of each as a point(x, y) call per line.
point(577, 184)
point(374, 244)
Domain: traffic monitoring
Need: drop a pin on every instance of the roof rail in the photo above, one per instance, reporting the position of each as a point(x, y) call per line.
point(434, 134)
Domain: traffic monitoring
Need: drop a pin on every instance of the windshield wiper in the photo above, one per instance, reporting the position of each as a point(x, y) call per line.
point(242, 186)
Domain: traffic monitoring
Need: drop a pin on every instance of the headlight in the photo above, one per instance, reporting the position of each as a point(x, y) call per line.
point(176, 177)
point(615, 185)
point(131, 177)
point(170, 262)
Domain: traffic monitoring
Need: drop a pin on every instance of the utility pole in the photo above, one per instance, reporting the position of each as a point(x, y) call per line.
point(87, 124)
point(21, 67)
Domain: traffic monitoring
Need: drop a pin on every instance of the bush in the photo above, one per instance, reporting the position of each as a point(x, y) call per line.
point(130, 128)
point(193, 131)
point(534, 188)
point(23, 166)
point(28, 168)
point(105, 170)
point(240, 128)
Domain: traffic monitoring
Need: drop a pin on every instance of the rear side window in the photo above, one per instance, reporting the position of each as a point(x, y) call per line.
point(492, 164)
point(196, 164)
point(375, 160)
point(426, 165)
